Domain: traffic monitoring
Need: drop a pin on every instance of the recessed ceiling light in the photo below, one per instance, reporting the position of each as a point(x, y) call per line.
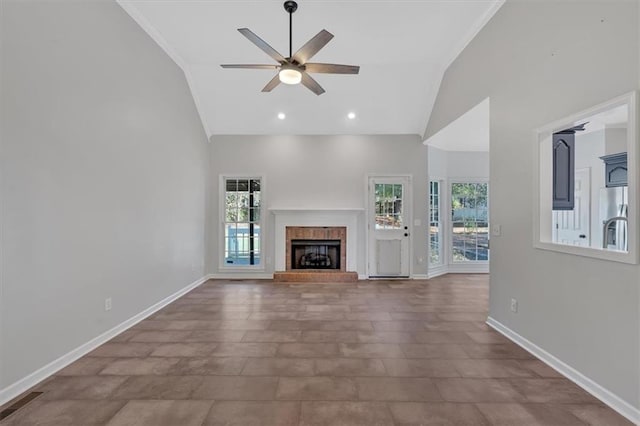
point(351, 115)
point(281, 115)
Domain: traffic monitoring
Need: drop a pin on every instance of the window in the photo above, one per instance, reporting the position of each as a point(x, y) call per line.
point(586, 178)
point(242, 222)
point(435, 234)
point(388, 205)
point(469, 222)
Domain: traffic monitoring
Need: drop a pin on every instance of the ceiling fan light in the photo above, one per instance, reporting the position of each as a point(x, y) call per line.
point(290, 76)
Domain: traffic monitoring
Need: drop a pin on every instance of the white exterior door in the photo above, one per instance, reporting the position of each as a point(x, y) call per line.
point(572, 226)
point(389, 226)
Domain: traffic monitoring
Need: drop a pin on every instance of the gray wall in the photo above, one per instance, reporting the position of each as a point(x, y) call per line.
point(437, 162)
point(462, 164)
point(103, 170)
point(539, 62)
point(321, 172)
point(458, 164)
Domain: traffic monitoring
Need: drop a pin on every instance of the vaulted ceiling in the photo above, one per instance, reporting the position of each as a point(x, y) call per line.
point(402, 47)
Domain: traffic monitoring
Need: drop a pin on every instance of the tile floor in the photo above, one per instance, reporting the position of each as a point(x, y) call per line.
point(367, 353)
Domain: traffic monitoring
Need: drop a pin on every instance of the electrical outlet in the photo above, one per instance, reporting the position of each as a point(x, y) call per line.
point(496, 230)
point(514, 305)
point(107, 304)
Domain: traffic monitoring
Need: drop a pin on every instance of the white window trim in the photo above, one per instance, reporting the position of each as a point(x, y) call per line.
point(442, 184)
point(542, 202)
point(470, 265)
point(222, 266)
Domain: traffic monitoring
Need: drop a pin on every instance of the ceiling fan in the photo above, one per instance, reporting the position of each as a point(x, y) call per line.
point(295, 68)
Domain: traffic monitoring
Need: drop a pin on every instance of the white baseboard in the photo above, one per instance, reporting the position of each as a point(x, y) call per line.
point(419, 276)
point(253, 276)
point(242, 275)
point(457, 269)
point(437, 271)
point(468, 269)
point(612, 400)
point(24, 384)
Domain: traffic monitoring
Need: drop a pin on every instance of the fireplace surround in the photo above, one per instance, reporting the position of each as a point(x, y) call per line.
point(314, 224)
point(316, 254)
point(315, 247)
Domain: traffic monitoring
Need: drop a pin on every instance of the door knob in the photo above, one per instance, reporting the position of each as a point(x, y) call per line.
point(582, 236)
point(406, 234)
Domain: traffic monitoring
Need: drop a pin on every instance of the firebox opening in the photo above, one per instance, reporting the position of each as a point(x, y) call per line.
point(315, 254)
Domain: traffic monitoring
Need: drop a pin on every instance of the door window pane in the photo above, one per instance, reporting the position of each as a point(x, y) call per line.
point(388, 205)
point(469, 218)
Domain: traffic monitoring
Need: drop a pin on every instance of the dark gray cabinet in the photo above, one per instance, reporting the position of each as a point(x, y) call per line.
point(615, 169)
point(563, 170)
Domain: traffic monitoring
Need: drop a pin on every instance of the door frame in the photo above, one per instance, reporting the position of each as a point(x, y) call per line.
point(369, 214)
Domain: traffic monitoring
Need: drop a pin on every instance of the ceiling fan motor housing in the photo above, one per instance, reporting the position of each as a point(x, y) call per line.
point(290, 6)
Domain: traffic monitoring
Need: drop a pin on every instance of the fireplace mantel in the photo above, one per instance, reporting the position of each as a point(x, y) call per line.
point(347, 217)
point(281, 211)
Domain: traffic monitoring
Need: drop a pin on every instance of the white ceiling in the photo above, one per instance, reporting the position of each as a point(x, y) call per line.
point(402, 47)
point(469, 132)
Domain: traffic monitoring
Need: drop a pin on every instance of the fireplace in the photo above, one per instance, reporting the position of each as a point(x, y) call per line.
point(316, 248)
point(302, 227)
point(315, 254)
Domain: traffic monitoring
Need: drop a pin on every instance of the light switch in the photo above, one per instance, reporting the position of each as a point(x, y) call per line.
point(417, 222)
point(496, 230)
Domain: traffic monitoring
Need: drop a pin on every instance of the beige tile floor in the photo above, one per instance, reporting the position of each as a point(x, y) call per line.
point(366, 353)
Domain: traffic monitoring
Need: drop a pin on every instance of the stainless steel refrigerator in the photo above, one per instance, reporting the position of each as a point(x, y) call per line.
point(613, 217)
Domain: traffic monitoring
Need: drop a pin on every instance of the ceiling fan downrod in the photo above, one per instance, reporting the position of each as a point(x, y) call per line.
point(290, 6)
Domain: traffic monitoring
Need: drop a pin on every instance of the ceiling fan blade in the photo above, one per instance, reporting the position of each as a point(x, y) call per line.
point(272, 84)
point(332, 68)
point(251, 66)
point(311, 84)
point(312, 47)
point(262, 44)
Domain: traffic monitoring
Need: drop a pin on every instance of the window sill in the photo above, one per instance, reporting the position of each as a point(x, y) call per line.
point(611, 256)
